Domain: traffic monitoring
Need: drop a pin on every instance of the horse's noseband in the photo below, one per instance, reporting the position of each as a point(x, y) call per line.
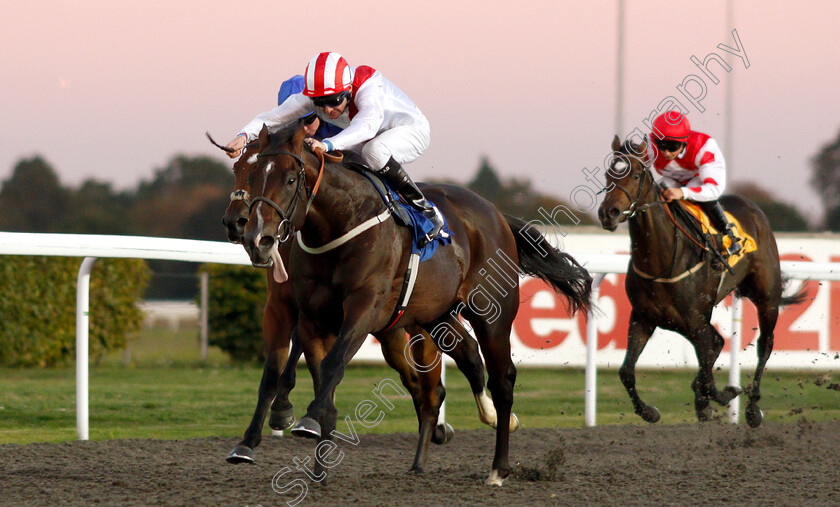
point(241, 195)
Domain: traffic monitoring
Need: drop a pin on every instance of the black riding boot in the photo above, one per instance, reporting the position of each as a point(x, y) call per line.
point(714, 210)
point(395, 175)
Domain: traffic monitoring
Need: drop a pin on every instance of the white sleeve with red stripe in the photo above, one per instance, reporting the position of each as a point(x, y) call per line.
point(370, 101)
point(710, 183)
point(294, 107)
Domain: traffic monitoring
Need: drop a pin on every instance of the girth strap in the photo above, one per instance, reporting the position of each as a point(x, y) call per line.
point(367, 224)
point(668, 280)
point(407, 290)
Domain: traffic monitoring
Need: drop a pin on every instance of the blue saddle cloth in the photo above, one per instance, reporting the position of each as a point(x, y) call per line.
point(420, 226)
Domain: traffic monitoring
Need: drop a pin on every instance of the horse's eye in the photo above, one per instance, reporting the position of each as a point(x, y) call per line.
point(291, 181)
point(637, 176)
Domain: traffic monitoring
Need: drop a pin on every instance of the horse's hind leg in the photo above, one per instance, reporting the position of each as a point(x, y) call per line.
point(465, 353)
point(638, 334)
point(494, 338)
point(707, 346)
point(767, 315)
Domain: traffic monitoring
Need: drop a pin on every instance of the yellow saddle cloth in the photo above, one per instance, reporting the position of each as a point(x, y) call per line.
point(748, 243)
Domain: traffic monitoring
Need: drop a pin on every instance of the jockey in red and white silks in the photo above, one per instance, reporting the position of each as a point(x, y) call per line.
point(376, 107)
point(690, 166)
point(379, 122)
point(699, 170)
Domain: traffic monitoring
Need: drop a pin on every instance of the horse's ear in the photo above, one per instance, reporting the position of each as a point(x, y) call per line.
point(263, 137)
point(643, 148)
point(297, 140)
point(616, 144)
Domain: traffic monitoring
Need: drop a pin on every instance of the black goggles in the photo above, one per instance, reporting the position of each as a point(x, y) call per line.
point(333, 100)
point(669, 144)
point(309, 120)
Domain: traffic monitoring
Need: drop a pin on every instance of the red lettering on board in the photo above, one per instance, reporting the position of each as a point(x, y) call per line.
point(523, 325)
point(834, 312)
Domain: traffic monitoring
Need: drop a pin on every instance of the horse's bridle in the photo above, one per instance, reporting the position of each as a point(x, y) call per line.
point(632, 210)
point(284, 228)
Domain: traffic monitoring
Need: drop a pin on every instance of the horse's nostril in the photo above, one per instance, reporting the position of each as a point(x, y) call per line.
point(241, 223)
point(613, 212)
point(266, 242)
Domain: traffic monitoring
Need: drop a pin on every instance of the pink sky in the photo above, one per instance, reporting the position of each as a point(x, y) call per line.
point(112, 90)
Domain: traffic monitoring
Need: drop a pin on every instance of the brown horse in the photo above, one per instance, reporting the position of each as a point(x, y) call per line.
point(672, 285)
point(279, 326)
point(352, 290)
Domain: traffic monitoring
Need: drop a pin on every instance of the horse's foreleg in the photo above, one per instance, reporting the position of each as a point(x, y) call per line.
point(354, 329)
point(707, 345)
point(244, 451)
point(638, 334)
point(282, 413)
point(421, 382)
point(432, 386)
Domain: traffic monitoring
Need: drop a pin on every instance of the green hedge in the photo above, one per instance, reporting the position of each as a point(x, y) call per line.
point(38, 307)
point(236, 302)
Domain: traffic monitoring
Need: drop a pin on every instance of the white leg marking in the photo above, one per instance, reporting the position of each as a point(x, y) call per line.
point(494, 479)
point(486, 410)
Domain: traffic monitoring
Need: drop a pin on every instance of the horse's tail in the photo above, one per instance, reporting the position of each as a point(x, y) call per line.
point(538, 258)
point(800, 296)
point(794, 299)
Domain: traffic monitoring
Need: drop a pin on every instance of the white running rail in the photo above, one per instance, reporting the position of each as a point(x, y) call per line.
point(92, 247)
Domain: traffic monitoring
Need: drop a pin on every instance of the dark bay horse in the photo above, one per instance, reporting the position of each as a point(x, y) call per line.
point(279, 326)
point(672, 285)
point(352, 290)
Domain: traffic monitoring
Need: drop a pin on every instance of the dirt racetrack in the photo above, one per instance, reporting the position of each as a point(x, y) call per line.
point(795, 463)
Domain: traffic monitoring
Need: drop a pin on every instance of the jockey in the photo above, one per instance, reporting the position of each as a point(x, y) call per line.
point(380, 123)
point(690, 165)
point(311, 123)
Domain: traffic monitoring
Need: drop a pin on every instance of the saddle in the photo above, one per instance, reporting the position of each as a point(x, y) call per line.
point(748, 243)
point(400, 214)
point(403, 214)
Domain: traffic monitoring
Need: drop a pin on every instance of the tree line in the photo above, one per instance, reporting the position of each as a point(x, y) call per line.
point(188, 195)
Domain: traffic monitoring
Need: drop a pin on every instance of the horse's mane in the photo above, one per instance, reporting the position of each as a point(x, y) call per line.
point(278, 136)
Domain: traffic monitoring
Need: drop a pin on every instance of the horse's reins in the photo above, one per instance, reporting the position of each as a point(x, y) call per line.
point(634, 209)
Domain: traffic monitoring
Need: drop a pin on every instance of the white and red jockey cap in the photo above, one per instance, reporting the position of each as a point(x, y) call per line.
point(672, 125)
point(327, 74)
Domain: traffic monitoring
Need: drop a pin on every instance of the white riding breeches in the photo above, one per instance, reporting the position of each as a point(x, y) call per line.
point(405, 143)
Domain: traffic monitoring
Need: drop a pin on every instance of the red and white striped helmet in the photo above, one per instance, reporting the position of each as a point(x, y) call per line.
point(327, 74)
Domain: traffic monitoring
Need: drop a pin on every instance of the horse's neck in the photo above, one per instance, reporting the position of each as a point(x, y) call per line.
point(344, 200)
point(653, 240)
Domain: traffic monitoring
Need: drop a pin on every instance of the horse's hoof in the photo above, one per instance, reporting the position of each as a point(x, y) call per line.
point(650, 414)
point(705, 414)
point(754, 416)
point(729, 394)
point(443, 434)
point(495, 479)
point(415, 470)
point(514, 423)
point(307, 428)
point(281, 419)
point(241, 454)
